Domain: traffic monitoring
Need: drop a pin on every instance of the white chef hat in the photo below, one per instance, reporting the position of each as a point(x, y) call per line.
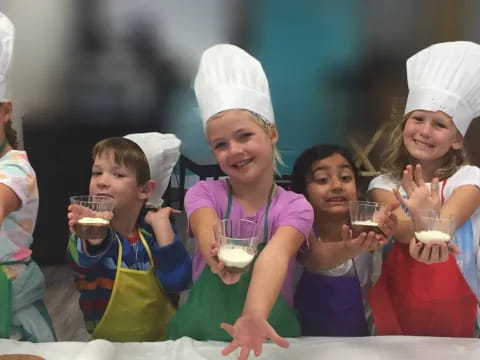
point(230, 78)
point(162, 152)
point(7, 35)
point(446, 77)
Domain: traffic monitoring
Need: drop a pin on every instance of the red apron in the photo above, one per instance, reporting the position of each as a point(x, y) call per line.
point(413, 298)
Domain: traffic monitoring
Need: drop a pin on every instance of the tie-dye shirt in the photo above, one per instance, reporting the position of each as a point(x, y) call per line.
point(17, 227)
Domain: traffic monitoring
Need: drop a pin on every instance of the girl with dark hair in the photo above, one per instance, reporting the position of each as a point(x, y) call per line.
point(337, 266)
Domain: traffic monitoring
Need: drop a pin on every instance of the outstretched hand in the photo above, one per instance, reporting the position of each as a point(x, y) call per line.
point(420, 198)
point(387, 220)
point(362, 243)
point(250, 333)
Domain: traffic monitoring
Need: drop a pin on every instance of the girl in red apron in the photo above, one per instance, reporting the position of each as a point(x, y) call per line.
point(338, 269)
point(233, 95)
point(424, 289)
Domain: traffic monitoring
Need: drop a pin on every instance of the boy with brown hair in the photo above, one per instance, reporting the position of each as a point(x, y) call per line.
point(124, 279)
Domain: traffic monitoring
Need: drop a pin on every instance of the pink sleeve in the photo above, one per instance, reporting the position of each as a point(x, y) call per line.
point(205, 193)
point(298, 213)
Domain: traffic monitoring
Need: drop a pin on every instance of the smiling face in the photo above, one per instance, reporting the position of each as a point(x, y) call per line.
point(428, 136)
point(243, 149)
point(117, 181)
point(331, 185)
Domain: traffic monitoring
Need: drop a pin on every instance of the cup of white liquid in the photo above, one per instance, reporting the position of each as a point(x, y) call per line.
point(95, 213)
point(237, 240)
point(364, 216)
point(430, 228)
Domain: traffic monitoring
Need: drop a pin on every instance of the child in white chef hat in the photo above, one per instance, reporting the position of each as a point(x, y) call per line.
point(424, 289)
point(124, 279)
point(236, 109)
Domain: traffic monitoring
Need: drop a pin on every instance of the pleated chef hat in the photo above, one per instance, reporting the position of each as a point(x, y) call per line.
point(162, 152)
point(7, 34)
point(446, 77)
point(230, 78)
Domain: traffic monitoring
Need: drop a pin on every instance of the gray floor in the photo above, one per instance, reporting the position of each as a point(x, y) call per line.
point(61, 296)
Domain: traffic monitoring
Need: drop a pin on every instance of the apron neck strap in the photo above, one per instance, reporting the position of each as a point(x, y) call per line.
point(265, 220)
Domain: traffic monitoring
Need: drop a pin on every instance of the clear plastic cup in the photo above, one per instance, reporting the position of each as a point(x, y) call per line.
point(94, 213)
point(237, 240)
point(364, 216)
point(430, 228)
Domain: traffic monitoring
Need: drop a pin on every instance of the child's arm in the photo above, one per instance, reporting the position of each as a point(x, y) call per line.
point(404, 229)
point(461, 204)
point(322, 255)
point(9, 201)
point(202, 222)
point(86, 262)
point(173, 266)
point(252, 329)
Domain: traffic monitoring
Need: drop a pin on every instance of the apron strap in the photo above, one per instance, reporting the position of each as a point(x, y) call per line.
point(265, 220)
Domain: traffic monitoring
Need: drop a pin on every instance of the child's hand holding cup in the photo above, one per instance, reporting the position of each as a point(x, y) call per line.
point(89, 217)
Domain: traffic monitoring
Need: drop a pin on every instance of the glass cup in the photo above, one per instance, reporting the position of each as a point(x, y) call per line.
point(237, 240)
point(94, 214)
point(430, 228)
point(364, 216)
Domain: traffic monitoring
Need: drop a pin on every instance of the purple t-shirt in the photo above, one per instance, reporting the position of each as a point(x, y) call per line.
point(286, 209)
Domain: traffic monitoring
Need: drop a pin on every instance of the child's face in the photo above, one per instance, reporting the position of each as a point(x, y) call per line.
point(242, 148)
point(111, 179)
point(429, 135)
point(330, 185)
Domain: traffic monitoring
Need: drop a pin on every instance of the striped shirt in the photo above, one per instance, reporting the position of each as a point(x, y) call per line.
point(94, 274)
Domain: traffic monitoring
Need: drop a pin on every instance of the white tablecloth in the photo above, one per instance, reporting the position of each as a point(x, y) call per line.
point(368, 348)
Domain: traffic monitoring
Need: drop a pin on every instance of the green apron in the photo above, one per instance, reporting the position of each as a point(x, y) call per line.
point(6, 298)
point(211, 302)
point(5, 304)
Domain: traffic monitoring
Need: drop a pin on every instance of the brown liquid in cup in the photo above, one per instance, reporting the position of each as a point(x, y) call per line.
point(233, 269)
point(91, 231)
point(358, 229)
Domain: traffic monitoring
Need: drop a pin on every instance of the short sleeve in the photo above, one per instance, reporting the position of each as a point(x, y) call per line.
point(298, 213)
point(383, 181)
point(18, 177)
point(466, 175)
point(205, 194)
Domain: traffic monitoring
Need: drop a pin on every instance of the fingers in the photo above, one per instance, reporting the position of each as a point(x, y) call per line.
point(229, 278)
point(346, 233)
point(454, 249)
point(399, 196)
point(228, 328)
point(393, 206)
point(435, 194)
point(229, 348)
point(419, 176)
point(415, 249)
point(407, 180)
point(443, 252)
point(257, 349)
point(277, 339)
point(244, 351)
